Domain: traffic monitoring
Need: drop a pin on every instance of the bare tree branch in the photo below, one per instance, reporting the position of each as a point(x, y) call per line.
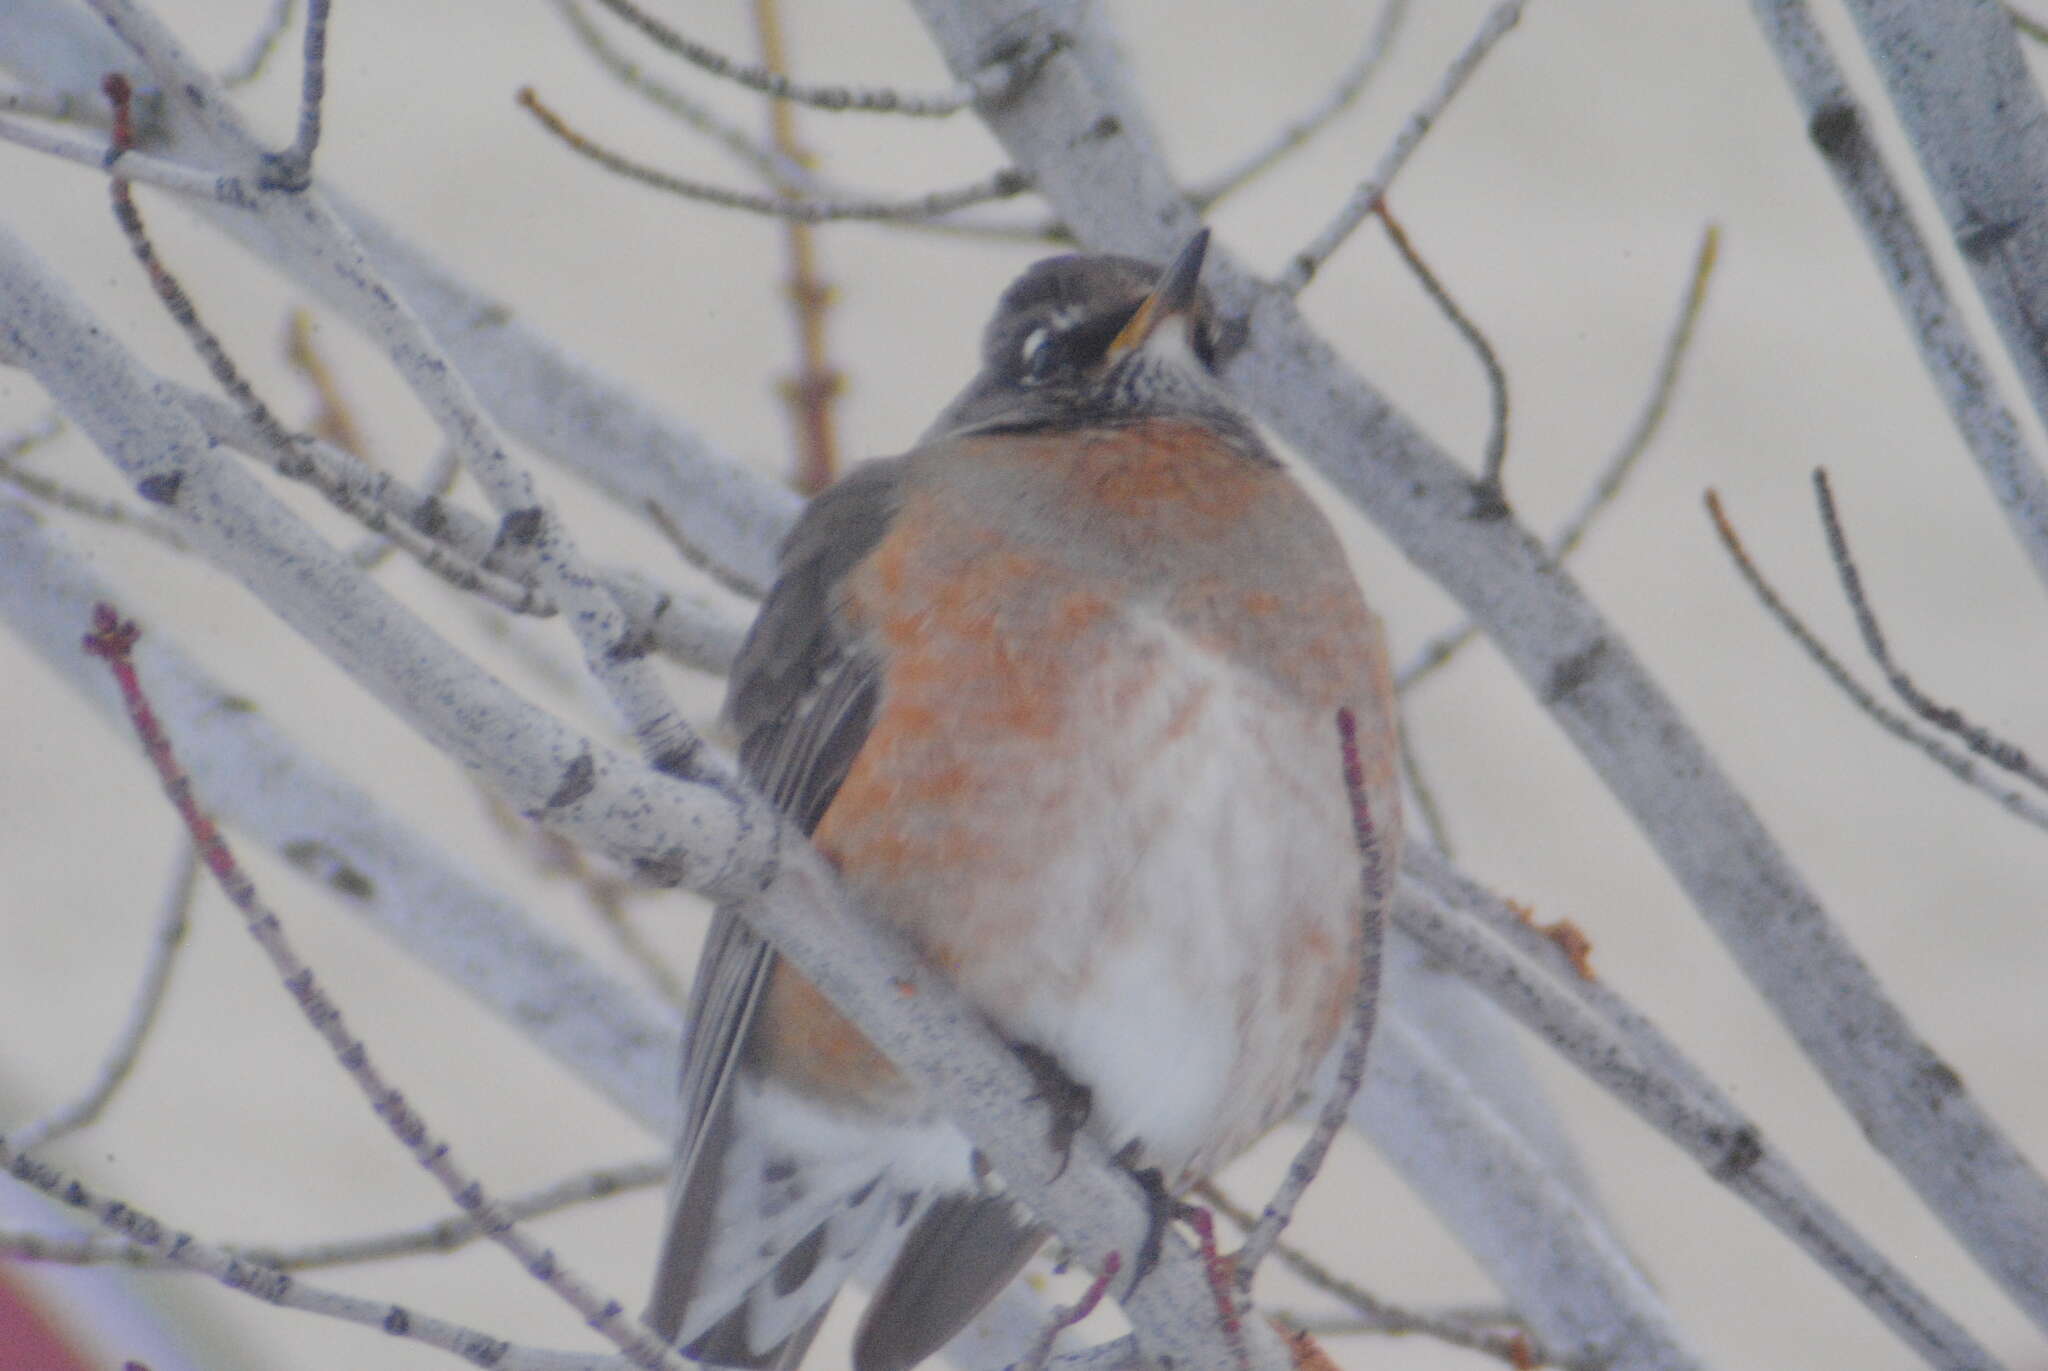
point(1439, 650)
point(1502, 17)
point(1001, 186)
point(165, 941)
point(1840, 132)
point(2016, 802)
point(1985, 157)
point(1343, 93)
point(992, 83)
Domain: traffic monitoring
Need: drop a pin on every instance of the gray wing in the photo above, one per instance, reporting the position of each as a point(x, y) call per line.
point(962, 1253)
point(801, 699)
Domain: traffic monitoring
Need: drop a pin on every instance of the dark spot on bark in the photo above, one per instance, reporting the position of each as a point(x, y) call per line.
point(1108, 126)
point(578, 780)
point(1940, 1081)
point(632, 645)
point(1835, 129)
point(669, 869)
point(1740, 1150)
point(397, 1321)
point(860, 1196)
point(1489, 502)
point(522, 527)
point(778, 1169)
point(1574, 671)
point(161, 490)
point(680, 762)
point(326, 863)
point(906, 1205)
point(543, 1266)
point(431, 516)
point(1982, 240)
point(484, 1351)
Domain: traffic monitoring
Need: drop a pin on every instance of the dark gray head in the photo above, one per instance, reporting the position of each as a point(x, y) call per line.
point(1098, 339)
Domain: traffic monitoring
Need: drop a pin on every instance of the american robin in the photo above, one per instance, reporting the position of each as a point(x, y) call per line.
point(1055, 692)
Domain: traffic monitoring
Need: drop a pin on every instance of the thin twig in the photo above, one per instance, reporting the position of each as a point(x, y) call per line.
point(19, 444)
point(333, 419)
point(289, 455)
point(292, 169)
point(459, 1230)
point(1649, 422)
point(1489, 492)
point(1499, 949)
point(455, 544)
point(113, 513)
point(179, 304)
point(1367, 197)
point(696, 557)
point(444, 1235)
point(168, 937)
point(375, 549)
point(1956, 763)
point(1067, 1316)
point(113, 640)
point(1000, 186)
point(256, 56)
point(1656, 405)
point(2028, 25)
point(57, 495)
point(993, 82)
point(771, 164)
point(1350, 83)
point(2001, 754)
point(817, 383)
point(1375, 881)
point(180, 1248)
point(1495, 1332)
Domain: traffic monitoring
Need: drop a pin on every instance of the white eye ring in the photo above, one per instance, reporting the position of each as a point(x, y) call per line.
point(1033, 349)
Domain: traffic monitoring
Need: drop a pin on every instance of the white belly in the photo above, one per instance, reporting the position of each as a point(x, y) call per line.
point(1199, 896)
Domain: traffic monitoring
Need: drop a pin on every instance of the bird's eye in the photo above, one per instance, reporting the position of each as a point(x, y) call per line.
point(1037, 352)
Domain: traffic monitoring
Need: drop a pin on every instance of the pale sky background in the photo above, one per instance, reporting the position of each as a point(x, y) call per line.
point(1561, 200)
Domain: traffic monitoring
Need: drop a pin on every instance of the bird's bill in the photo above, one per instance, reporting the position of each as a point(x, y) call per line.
point(1173, 297)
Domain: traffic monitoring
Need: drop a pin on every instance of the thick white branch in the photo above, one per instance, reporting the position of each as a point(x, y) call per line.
point(1978, 122)
point(1839, 130)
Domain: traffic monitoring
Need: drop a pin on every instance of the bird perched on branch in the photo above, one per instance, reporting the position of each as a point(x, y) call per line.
point(1054, 692)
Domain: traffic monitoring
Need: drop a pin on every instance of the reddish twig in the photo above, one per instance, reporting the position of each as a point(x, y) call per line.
point(1066, 1318)
point(1223, 1281)
point(113, 640)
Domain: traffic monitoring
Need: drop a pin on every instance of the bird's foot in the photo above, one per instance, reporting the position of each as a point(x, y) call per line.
point(1067, 1100)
